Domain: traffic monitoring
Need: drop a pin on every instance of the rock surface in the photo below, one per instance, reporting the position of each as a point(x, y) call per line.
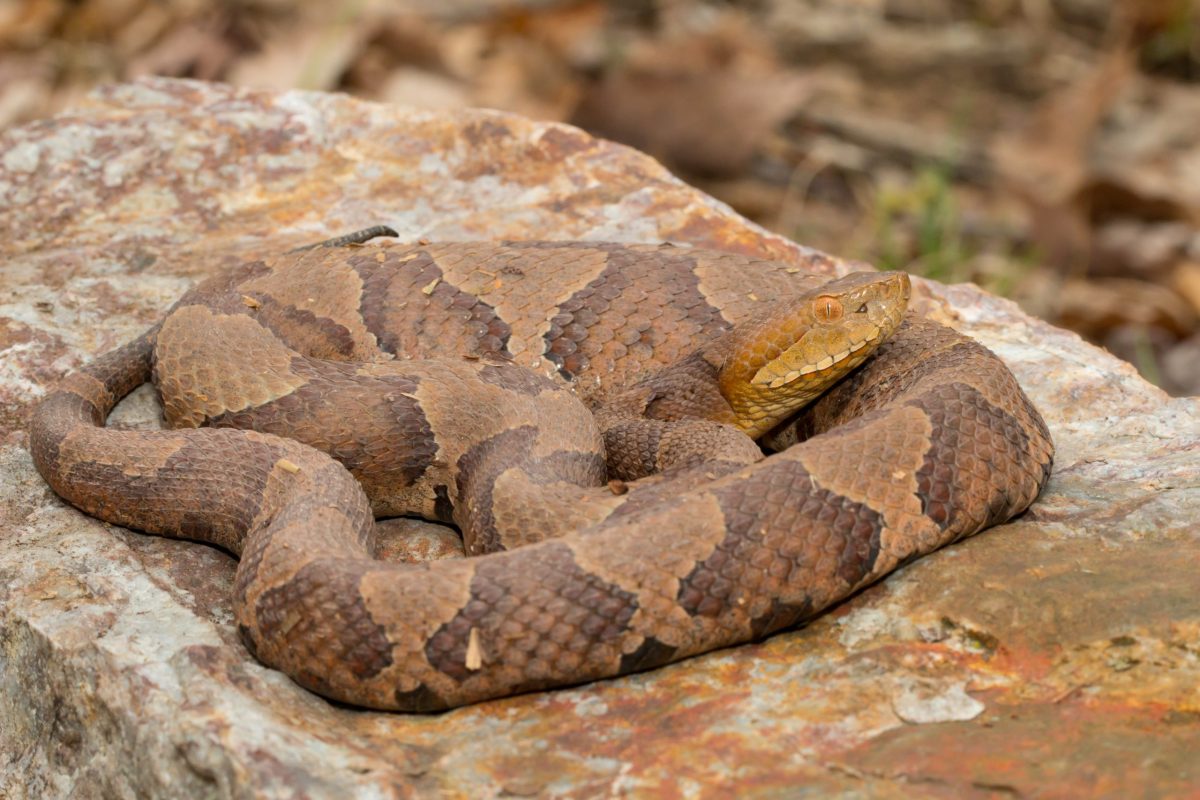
point(1057, 656)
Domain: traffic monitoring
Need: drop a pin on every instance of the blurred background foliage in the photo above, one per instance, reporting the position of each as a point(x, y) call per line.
point(1048, 150)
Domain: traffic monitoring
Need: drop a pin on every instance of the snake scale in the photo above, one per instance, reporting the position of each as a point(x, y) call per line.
point(620, 526)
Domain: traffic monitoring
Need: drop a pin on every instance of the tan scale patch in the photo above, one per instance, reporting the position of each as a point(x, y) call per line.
point(563, 424)
point(140, 457)
point(521, 285)
point(442, 387)
point(284, 482)
point(279, 562)
point(326, 287)
point(209, 364)
point(327, 532)
point(412, 602)
point(440, 392)
point(878, 467)
point(724, 282)
point(456, 425)
point(525, 511)
point(680, 533)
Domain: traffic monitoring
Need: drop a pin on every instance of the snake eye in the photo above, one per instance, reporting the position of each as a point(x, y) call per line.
point(827, 309)
point(862, 309)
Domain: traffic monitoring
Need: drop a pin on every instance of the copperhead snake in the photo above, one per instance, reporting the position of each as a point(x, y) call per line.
point(433, 377)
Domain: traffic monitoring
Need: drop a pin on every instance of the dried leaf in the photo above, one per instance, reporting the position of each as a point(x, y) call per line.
point(710, 122)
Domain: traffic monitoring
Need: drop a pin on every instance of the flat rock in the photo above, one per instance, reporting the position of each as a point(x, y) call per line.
point(1058, 655)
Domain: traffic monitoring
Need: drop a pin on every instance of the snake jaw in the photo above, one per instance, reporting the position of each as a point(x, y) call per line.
point(768, 376)
point(789, 356)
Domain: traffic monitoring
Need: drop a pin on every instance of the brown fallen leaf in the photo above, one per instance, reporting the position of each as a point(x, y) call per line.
point(709, 123)
point(189, 50)
point(1048, 164)
point(1095, 306)
point(309, 57)
point(1185, 280)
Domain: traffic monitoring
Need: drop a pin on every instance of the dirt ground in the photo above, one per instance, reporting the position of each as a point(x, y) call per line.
point(1048, 150)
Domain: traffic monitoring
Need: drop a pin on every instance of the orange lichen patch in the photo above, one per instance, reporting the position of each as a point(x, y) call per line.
point(1064, 750)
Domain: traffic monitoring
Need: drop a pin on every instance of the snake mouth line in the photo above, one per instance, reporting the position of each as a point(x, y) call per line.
point(826, 363)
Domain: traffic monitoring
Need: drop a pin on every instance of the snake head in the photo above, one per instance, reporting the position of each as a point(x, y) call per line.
point(776, 363)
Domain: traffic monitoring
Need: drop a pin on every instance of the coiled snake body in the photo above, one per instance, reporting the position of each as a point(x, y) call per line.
point(930, 441)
